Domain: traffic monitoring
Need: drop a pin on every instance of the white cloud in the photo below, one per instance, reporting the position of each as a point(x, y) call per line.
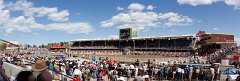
point(143, 19)
point(235, 3)
point(136, 7)
point(21, 24)
point(61, 16)
point(215, 28)
point(120, 8)
point(31, 11)
point(174, 19)
point(1, 4)
point(26, 22)
point(150, 7)
point(79, 13)
point(196, 2)
point(79, 27)
point(106, 23)
point(4, 16)
point(113, 36)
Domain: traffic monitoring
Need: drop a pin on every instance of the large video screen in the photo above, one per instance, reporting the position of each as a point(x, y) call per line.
point(125, 33)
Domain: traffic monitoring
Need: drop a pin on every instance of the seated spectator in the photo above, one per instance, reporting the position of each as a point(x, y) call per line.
point(25, 76)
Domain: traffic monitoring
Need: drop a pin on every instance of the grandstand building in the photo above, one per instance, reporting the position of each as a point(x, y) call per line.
point(167, 46)
point(9, 46)
point(174, 45)
point(210, 43)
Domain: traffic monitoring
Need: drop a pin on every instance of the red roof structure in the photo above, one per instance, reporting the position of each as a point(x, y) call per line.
point(57, 47)
point(200, 33)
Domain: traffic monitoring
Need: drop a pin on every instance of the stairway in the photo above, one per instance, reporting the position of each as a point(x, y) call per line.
point(221, 53)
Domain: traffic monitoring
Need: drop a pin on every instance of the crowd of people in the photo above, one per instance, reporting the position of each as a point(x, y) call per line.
point(100, 52)
point(221, 52)
point(120, 71)
point(139, 53)
point(100, 70)
point(35, 50)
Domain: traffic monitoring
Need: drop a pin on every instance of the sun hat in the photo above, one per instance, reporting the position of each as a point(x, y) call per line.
point(146, 76)
point(77, 72)
point(120, 79)
point(40, 65)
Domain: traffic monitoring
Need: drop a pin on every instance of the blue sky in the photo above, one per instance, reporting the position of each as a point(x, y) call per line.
point(44, 21)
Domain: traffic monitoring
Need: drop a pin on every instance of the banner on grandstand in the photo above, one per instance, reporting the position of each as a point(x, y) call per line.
point(135, 32)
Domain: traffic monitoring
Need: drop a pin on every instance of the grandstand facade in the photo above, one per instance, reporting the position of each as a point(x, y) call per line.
point(179, 46)
point(8, 46)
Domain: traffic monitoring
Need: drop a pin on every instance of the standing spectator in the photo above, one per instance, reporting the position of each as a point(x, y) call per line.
point(161, 73)
point(113, 76)
point(179, 73)
point(88, 74)
point(136, 71)
point(212, 74)
point(155, 70)
point(94, 70)
point(84, 76)
point(100, 76)
point(139, 77)
point(150, 73)
point(183, 73)
point(190, 72)
point(128, 74)
point(166, 71)
point(197, 71)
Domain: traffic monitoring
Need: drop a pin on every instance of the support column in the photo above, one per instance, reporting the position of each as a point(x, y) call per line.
point(105, 44)
point(133, 47)
point(146, 43)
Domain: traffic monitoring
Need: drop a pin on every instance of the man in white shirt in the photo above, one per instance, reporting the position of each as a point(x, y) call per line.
point(79, 63)
point(212, 72)
point(182, 71)
point(179, 72)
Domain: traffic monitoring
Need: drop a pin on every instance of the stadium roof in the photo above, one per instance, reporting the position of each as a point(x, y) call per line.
point(150, 37)
point(218, 34)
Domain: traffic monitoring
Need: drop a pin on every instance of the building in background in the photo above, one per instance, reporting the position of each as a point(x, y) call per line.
point(58, 49)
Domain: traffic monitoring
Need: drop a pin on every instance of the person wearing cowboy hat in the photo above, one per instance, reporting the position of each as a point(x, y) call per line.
point(38, 67)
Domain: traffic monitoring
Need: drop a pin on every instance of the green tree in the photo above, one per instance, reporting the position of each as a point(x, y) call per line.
point(34, 46)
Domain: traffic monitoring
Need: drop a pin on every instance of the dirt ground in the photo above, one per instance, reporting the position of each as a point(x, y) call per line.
point(133, 58)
